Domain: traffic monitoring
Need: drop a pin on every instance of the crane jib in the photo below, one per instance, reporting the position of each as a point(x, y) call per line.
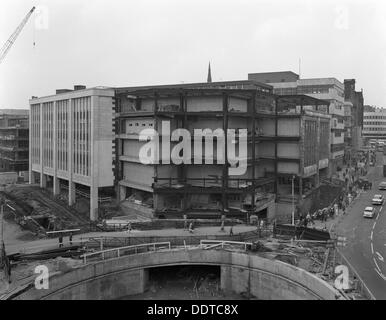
point(8, 44)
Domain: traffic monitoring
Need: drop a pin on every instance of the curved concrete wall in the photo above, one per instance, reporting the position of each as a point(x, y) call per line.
point(240, 273)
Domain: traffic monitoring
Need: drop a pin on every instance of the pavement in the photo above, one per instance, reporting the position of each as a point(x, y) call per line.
point(37, 245)
point(366, 238)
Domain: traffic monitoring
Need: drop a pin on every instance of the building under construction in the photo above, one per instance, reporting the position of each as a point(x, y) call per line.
point(14, 141)
point(287, 150)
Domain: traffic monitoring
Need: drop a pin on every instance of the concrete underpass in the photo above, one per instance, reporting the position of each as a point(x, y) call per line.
point(236, 273)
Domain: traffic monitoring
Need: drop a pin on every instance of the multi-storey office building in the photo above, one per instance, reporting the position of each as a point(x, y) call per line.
point(14, 141)
point(374, 125)
point(327, 89)
point(72, 142)
point(288, 138)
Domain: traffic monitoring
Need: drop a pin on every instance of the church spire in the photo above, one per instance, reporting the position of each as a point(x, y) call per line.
point(209, 79)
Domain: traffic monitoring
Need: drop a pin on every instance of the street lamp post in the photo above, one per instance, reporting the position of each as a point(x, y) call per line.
point(293, 201)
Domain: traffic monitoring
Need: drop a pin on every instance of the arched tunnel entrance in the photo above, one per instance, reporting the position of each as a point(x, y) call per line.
point(184, 274)
point(185, 282)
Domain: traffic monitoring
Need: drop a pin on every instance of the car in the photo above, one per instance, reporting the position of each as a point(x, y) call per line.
point(378, 199)
point(369, 212)
point(382, 185)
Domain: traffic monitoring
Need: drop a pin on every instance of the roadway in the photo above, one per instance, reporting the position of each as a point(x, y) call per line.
point(14, 245)
point(366, 238)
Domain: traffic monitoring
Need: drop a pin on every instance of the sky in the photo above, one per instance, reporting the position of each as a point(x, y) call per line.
point(129, 43)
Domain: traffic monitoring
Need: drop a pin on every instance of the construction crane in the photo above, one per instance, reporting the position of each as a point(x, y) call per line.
point(13, 37)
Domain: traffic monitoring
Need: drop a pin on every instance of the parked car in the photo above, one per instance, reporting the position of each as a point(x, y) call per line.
point(382, 185)
point(378, 199)
point(369, 212)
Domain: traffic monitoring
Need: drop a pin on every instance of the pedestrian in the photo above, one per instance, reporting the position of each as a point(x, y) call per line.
point(308, 218)
point(70, 239)
point(129, 227)
point(354, 285)
point(231, 231)
point(222, 226)
point(60, 241)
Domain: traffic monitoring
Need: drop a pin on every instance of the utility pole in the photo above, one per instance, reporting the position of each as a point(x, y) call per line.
point(293, 201)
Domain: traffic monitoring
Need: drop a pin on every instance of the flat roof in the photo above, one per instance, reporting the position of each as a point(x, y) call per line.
point(199, 85)
point(302, 98)
point(95, 91)
point(173, 92)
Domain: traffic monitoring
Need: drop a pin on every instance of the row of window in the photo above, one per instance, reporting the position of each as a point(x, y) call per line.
point(143, 124)
point(306, 90)
point(374, 123)
point(375, 117)
point(375, 129)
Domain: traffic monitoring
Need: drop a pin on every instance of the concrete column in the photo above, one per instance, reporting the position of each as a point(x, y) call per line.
point(94, 160)
point(71, 184)
point(71, 193)
point(32, 179)
point(41, 147)
point(55, 151)
point(122, 193)
point(93, 203)
point(43, 181)
point(300, 188)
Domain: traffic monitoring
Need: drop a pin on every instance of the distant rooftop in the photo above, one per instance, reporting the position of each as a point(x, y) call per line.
point(282, 79)
point(278, 76)
point(18, 112)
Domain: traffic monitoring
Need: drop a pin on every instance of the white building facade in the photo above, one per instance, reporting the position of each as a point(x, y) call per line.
point(72, 142)
point(374, 124)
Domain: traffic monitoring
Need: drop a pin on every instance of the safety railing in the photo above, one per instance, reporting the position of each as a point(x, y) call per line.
point(122, 251)
point(211, 244)
point(86, 195)
point(170, 182)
